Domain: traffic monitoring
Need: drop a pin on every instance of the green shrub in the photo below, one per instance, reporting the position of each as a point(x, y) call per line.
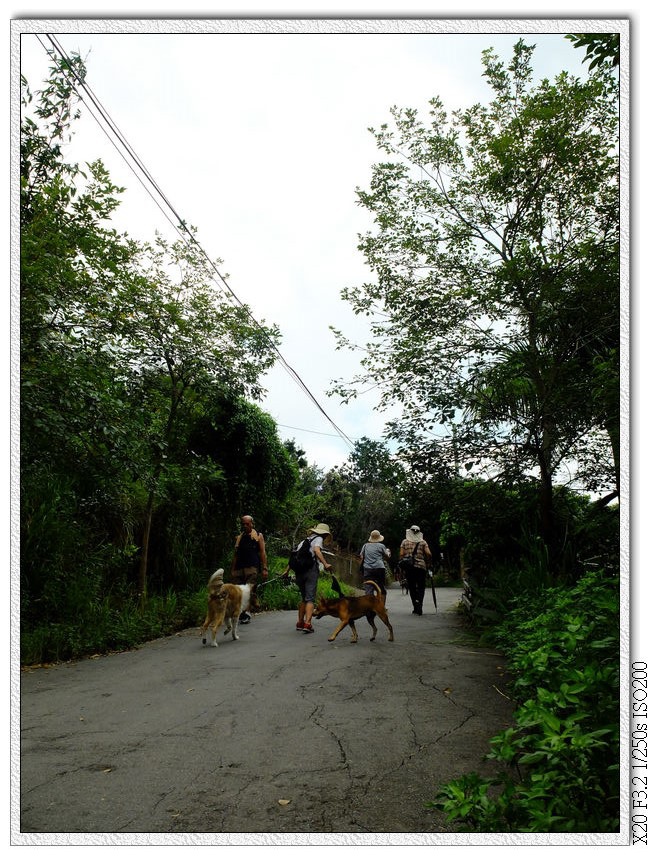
point(559, 763)
point(121, 622)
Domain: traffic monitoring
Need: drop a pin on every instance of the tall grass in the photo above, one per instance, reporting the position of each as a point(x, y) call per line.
point(123, 622)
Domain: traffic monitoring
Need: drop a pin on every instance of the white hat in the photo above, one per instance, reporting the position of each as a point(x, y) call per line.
point(375, 537)
point(414, 534)
point(321, 529)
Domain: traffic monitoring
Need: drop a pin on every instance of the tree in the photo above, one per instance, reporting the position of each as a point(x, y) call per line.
point(180, 332)
point(376, 483)
point(77, 435)
point(495, 252)
point(603, 49)
point(122, 345)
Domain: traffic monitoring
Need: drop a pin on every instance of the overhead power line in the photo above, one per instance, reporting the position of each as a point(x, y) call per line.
point(313, 431)
point(135, 164)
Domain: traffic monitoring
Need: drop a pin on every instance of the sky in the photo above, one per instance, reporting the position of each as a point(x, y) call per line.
point(260, 140)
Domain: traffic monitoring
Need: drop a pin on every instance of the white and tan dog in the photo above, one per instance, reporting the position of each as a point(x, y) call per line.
point(226, 601)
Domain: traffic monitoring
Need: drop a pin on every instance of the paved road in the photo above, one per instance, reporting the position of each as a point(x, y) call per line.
point(278, 734)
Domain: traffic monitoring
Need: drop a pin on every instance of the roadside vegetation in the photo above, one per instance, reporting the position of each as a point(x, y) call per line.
point(557, 768)
point(495, 317)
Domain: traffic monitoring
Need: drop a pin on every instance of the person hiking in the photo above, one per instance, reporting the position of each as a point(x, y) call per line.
point(249, 559)
point(307, 581)
point(417, 554)
point(374, 555)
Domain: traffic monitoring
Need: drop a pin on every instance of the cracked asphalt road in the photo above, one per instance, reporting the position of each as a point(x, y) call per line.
point(279, 733)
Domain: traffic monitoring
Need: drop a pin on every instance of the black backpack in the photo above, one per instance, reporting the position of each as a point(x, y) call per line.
point(301, 558)
point(408, 562)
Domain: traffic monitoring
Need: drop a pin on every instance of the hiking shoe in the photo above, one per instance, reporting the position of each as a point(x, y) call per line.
point(300, 626)
point(244, 619)
point(307, 628)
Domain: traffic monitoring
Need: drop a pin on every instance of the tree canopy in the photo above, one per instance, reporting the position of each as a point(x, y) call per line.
point(494, 306)
point(126, 348)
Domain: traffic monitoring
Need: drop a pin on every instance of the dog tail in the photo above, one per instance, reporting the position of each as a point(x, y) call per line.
point(215, 583)
point(376, 587)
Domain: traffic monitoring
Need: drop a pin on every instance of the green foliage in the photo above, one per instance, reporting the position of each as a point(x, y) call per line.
point(284, 594)
point(495, 258)
point(602, 49)
point(559, 763)
point(121, 364)
point(104, 627)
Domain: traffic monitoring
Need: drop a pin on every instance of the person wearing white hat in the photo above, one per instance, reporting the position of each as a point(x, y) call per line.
point(308, 581)
point(374, 556)
point(415, 549)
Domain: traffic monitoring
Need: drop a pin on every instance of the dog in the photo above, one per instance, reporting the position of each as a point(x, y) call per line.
point(399, 574)
point(226, 601)
point(349, 609)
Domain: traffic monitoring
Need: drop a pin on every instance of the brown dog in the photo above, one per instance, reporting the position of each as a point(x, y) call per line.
point(348, 610)
point(225, 603)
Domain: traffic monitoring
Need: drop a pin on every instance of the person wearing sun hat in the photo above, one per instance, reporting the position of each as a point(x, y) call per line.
point(308, 581)
point(417, 548)
point(374, 556)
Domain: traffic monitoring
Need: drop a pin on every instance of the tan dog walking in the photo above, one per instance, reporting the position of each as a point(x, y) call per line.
point(349, 609)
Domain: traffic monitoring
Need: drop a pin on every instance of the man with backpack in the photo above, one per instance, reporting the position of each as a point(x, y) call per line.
point(249, 559)
point(304, 561)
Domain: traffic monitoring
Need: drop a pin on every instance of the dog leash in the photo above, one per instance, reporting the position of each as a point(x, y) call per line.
point(288, 579)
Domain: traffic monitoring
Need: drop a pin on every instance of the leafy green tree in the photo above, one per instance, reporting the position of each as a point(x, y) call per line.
point(495, 252)
point(304, 503)
point(181, 331)
point(77, 434)
point(228, 460)
point(123, 346)
point(375, 480)
point(602, 49)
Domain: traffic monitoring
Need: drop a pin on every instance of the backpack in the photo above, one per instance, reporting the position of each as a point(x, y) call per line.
point(301, 558)
point(408, 561)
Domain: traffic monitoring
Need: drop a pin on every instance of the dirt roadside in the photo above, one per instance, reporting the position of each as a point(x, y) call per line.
point(278, 734)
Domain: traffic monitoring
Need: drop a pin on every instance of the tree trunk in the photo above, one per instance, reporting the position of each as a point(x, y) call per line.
point(546, 509)
point(144, 552)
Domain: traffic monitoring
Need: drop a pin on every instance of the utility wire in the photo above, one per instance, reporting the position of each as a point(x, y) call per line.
point(300, 429)
point(181, 227)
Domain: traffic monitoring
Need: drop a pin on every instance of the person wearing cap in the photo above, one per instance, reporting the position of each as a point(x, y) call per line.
point(415, 546)
point(374, 556)
point(249, 559)
point(308, 581)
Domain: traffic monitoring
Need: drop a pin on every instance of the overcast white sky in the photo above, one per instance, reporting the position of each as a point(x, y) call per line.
point(259, 139)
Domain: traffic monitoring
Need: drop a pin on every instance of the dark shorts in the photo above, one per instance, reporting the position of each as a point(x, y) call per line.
point(377, 575)
point(307, 583)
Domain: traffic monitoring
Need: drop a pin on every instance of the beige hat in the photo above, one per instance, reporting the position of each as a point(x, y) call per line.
point(375, 537)
point(414, 534)
point(321, 529)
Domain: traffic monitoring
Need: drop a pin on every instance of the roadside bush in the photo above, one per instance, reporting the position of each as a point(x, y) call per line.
point(559, 763)
point(119, 623)
point(106, 628)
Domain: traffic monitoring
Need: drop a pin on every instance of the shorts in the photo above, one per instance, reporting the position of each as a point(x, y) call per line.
point(307, 583)
point(377, 575)
point(241, 576)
